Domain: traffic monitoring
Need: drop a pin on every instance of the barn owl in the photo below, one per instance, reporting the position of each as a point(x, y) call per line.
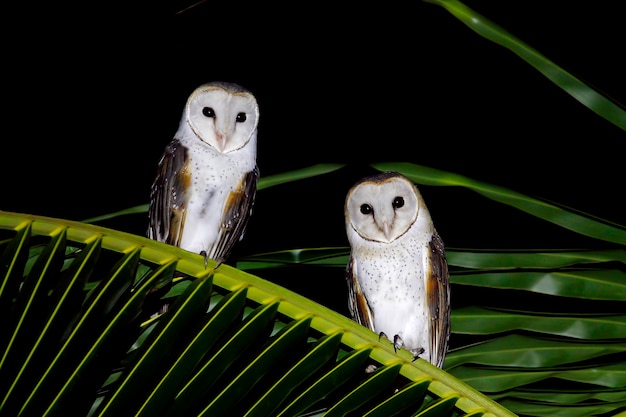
point(205, 186)
point(397, 273)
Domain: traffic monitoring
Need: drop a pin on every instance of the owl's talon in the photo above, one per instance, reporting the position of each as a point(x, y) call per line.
point(206, 258)
point(397, 343)
point(417, 352)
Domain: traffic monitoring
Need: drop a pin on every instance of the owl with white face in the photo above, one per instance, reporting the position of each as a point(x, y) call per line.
point(397, 273)
point(205, 187)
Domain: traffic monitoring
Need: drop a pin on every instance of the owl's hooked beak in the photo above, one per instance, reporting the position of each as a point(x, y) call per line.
point(386, 227)
point(220, 138)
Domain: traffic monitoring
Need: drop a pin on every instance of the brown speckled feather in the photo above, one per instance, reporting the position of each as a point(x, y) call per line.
point(438, 294)
point(357, 303)
point(167, 200)
point(238, 212)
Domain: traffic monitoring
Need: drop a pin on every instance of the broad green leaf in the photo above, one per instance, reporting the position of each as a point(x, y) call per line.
point(534, 408)
point(494, 380)
point(493, 259)
point(590, 284)
point(497, 380)
point(477, 320)
point(610, 376)
point(529, 352)
point(560, 396)
point(586, 95)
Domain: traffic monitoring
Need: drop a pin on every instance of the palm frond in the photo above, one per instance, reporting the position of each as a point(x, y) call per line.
point(104, 323)
point(596, 102)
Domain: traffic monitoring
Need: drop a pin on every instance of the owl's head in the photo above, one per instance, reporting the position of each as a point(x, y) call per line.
point(382, 207)
point(224, 115)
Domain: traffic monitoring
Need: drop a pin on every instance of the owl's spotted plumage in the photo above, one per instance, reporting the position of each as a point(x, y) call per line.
point(204, 190)
point(397, 274)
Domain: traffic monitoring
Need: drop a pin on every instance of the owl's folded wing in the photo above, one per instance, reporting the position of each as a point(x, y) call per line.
point(438, 293)
point(357, 303)
point(237, 212)
point(167, 198)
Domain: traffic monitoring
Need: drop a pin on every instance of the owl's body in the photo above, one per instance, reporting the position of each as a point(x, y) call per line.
point(204, 191)
point(397, 275)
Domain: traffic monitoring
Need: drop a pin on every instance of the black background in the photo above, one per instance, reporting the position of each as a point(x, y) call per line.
point(94, 93)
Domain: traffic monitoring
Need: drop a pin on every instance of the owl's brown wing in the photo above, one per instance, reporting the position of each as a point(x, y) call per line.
point(438, 294)
point(357, 303)
point(168, 208)
point(237, 212)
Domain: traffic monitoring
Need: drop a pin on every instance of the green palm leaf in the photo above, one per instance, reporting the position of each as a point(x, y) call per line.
point(593, 284)
point(519, 351)
point(228, 310)
point(147, 330)
point(572, 85)
point(509, 259)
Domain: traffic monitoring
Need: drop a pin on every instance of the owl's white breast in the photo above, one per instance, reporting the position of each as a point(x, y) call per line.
point(213, 177)
point(392, 279)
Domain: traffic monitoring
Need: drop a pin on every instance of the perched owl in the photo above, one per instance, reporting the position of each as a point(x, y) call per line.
point(204, 190)
point(397, 274)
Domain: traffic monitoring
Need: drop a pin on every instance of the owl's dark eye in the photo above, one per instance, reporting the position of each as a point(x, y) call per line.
point(208, 112)
point(397, 202)
point(366, 209)
point(241, 117)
